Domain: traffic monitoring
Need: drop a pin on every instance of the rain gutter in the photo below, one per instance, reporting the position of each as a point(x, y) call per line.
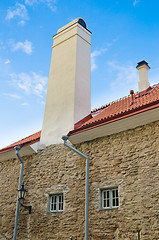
point(17, 148)
point(65, 138)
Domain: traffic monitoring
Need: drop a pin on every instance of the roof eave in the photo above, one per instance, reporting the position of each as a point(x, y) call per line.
point(26, 150)
point(115, 124)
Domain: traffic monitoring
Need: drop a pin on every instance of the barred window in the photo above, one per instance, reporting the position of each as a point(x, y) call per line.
point(109, 198)
point(56, 202)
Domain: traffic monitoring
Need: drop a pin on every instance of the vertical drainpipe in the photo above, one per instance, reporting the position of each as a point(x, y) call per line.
point(65, 138)
point(17, 148)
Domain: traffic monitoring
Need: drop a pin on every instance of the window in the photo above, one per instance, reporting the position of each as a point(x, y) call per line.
point(109, 198)
point(56, 203)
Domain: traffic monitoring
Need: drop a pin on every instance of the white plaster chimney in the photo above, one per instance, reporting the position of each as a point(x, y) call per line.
point(68, 97)
point(143, 68)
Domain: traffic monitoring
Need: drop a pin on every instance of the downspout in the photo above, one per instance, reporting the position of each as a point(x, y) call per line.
point(17, 148)
point(65, 138)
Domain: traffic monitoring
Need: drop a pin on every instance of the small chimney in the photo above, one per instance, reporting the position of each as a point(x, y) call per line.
point(68, 98)
point(132, 96)
point(143, 68)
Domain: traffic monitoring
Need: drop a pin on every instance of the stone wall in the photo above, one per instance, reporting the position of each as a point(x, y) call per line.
point(128, 160)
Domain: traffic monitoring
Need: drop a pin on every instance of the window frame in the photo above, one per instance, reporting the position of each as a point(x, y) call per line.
point(57, 196)
point(109, 199)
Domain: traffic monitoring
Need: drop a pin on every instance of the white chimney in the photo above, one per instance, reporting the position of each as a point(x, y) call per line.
point(143, 68)
point(68, 97)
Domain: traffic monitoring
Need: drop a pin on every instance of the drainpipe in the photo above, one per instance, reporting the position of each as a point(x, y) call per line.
point(138, 233)
point(17, 148)
point(65, 138)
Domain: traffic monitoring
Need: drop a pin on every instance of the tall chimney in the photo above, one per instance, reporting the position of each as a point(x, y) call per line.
point(143, 68)
point(68, 97)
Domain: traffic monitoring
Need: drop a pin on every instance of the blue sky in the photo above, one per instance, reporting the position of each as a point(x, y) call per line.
point(124, 32)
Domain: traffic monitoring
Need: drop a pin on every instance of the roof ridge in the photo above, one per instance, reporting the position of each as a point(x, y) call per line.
point(119, 99)
point(116, 117)
point(108, 104)
point(27, 137)
point(21, 140)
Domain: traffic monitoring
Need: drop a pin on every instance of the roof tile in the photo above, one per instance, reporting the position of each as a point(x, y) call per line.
point(106, 113)
point(142, 101)
point(125, 104)
point(25, 141)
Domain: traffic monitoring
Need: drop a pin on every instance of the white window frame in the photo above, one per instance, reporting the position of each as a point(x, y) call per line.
point(108, 199)
point(55, 203)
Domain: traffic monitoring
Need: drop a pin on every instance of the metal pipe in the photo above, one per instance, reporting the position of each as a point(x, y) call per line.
point(17, 148)
point(138, 231)
point(65, 138)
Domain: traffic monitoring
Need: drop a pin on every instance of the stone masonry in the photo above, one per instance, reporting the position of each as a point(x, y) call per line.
point(128, 160)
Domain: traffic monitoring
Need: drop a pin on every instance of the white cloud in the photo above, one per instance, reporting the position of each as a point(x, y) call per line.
point(25, 46)
point(30, 83)
point(43, 103)
point(19, 10)
point(126, 76)
point(135, 2)
point(30, 2)
point(24, 104)
point(12, 95)
point(97, 53)
point(50, 3)
point(120, 79)
point(70, 19)
point(22, 81)
point(40, 84)
point(22, 22)
point(7, 61)
point(154, 76)
point(2, 46)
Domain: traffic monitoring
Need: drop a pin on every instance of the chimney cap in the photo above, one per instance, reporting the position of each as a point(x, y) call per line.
point(131, 92)
point(82, 22)
point(143, 62)
point(77, 20)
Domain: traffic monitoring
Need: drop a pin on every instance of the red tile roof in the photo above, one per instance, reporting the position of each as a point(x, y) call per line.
point(24, 142)
point(127, 106)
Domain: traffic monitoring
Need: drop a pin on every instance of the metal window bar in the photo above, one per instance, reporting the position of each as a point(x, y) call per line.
point(56, 203)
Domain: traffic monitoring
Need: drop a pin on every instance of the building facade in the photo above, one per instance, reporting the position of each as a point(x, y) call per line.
point(121, 141)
